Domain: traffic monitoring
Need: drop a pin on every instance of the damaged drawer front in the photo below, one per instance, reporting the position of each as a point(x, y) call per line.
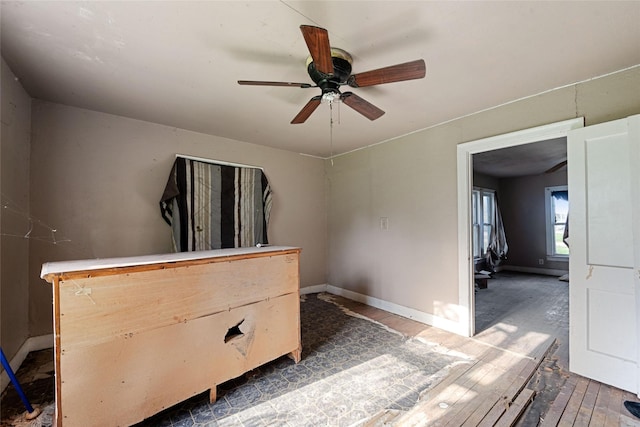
point(133, 341)
point(126, 380)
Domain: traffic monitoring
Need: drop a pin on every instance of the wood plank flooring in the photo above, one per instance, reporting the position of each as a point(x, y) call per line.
point(497, 384)
point(584, 402)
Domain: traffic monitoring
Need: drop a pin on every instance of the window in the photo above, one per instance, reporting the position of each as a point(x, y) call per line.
point(557, 211)
point(483, 202)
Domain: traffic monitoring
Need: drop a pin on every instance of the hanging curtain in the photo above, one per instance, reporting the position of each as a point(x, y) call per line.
point(565, 234)
point(563, 195)
point(212, 206)
point(498, 247)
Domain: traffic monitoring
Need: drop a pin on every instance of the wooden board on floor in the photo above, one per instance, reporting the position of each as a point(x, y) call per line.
point(493, 396)
point(481, 393)
point(599, 410)
point(573, 405)
point(510, 394)
point(582, 401)
point(614, 407)
point(588, 403)
point(553, 415)
point(511, 416)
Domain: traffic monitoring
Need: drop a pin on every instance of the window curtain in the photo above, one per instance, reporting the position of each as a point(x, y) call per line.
point(213, 206)
point(498, 247)
point(563, 195)
point(565, 234)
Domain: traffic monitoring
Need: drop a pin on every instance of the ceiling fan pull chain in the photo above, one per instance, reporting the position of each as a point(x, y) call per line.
point(331, 130)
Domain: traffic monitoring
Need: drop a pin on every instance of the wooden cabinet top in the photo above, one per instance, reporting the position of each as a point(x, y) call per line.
point(105, 266)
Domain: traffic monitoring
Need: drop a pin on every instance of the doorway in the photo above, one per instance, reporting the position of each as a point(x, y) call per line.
point(466, 153)
point(519, 212)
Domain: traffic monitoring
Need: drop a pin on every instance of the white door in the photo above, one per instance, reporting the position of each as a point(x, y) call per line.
point(603, 183)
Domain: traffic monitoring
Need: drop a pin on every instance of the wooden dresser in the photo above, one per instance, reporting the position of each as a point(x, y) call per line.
point(136, 335)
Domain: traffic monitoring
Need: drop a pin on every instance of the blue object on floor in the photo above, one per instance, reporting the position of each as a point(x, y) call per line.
point(14, 380)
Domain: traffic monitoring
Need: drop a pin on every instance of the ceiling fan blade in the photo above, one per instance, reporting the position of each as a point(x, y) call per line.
point(261, 83)
point(556, 167)
point(363, 107)
point(306, 111)
point(394, 73)
point(317, 40)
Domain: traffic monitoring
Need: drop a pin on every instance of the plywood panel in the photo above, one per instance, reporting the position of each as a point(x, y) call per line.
point(124, 305)
point(138, 376)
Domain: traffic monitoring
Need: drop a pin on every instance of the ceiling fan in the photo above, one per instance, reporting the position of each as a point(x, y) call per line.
point(557, 167)
point(330, 68)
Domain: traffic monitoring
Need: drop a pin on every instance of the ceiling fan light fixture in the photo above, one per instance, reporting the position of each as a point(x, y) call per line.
point(330, 97)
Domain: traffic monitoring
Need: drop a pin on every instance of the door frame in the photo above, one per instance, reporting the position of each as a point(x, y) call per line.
point(634, 134)
point(465, 152)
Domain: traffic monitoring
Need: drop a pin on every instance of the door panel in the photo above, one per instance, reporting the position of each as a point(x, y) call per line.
point(603, 328)
point(619, 306)
point(608, 188)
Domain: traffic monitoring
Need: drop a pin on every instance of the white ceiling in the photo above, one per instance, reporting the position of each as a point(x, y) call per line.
point(177, 63)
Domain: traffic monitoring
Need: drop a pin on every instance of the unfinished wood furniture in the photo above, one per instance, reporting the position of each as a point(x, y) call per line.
point(136, 335)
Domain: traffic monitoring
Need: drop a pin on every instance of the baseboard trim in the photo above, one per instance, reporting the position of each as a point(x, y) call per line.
point(316, 289)
point(31, 344)
point(534, 270)
point(400, 310)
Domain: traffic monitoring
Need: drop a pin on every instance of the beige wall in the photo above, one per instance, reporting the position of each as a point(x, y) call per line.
point(522, 204)
point(97, 179)
point(412, 182)
point(15, 213)
point(485, 181)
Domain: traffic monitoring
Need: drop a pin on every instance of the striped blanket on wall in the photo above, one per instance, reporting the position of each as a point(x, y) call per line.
point(211, 206)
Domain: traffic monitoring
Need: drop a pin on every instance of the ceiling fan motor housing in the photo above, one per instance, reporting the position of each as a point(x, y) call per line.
point(341, 71)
